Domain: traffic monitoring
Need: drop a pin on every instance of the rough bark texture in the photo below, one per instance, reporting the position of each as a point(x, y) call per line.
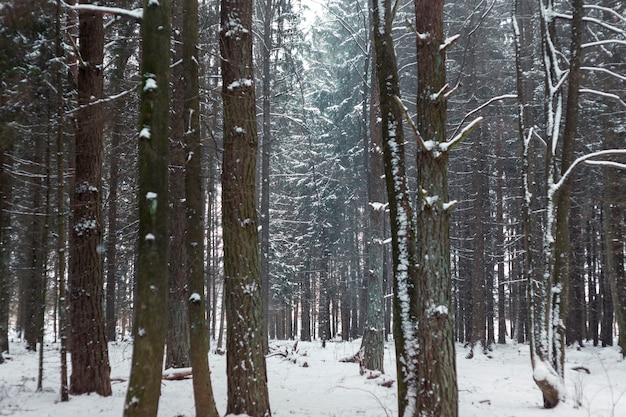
point(194, 224)
point(245, 360)
point(266, 148)
point(90, 360)
point(406, 301)
point(373, 338)
point(438, 384)
point(150, 330)
point(478, 338)
point(177, 352)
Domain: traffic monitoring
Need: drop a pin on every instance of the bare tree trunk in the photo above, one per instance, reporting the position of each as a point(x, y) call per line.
point(90, 360)
point(150, 329)
point(437, 384)
point(245, 360)
point(373, 338)
point(194, 224)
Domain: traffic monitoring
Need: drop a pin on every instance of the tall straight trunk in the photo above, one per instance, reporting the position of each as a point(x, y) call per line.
point(576, 302)
point(245, 360)
point(406, 299)
point(194, 224)
point(34, 282)
point(266, 149)
point(6, 186)
point(150, 328)
point(121, 55)
point(90, 359)
point(373, 337)
point(478, 336)
point(437, 384)
point(177, 343)
point(613, 232)
point(305, 329)
point(500, 242)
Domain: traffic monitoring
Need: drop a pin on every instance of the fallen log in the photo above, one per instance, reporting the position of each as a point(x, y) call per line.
point(177, 374)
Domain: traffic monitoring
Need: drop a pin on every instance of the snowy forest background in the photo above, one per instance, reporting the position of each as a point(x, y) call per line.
point(316, 188)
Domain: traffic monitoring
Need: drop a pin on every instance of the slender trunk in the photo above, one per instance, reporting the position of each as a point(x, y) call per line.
point(150, 327)
point(373, 338)
point(194, 224)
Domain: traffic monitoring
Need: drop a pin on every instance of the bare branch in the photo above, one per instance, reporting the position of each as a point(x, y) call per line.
point(136, 14)
point(585, 159)
point(452, 143)
point(418, 136)
point(604, 94)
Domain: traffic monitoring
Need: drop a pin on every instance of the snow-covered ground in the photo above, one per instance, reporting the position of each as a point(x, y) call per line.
point(495, 386)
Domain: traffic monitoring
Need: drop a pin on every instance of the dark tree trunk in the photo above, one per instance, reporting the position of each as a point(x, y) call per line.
point(479, 336)
point(305, 330)
point(150, 327)
point(438, 391)
point(576, 303)
point(194, 224)
point(373, 339)
point(6, 186)
point(266, 149)
point(500, 226)
point(177, 354)
point(245, 364)
point(90, 361)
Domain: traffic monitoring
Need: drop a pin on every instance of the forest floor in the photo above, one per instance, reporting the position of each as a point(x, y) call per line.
point(313, 382)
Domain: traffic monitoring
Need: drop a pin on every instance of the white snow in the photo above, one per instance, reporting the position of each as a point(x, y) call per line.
point(150, 195)
point(150, 236)
point(145, 132)
point(195, 297)
point(496, 386)
point(150, 84)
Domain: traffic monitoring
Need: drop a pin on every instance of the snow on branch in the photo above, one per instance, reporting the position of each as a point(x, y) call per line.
point(449, 42)
point(136, 14)
point(606, 71)
point(452, 143)
point(585, 159)
point(102, 100)
point(608, 10)
point(610, 164)
point(482, 106)
point(418, 136)
point(603, 94)
point(604, 42)
point(592, 20)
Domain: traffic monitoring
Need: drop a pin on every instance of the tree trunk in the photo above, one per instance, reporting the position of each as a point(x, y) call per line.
point(373, 343)
point(245, 360)
point(150, 329)
point(266, 149)
point(500, 226)
point(6, 186)
point(177, 343)
point(437, 384)
point(406, 300)
point(478, 336)
point(90, 360)
point(194, 224)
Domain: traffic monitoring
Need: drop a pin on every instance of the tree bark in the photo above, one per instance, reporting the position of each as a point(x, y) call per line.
point(90, 360)
point(438, 384)
point(245, 360)
point(373, 338)
point(405, 304)
point(194, 224)
point(150, 329)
